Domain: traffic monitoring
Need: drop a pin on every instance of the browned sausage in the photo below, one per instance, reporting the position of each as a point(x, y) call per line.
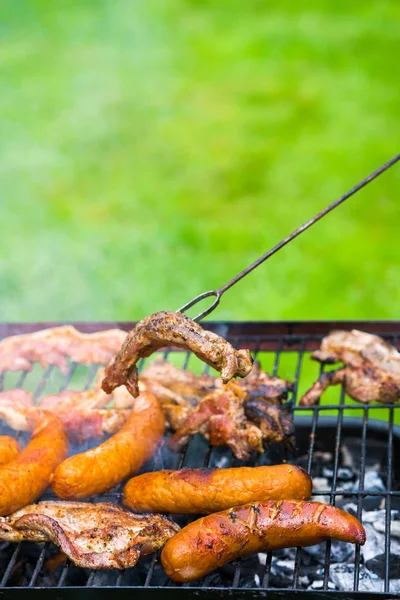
point(212, 541)
point(9, 449)
point(194, 491)
point(122, 455)
point(26, 477)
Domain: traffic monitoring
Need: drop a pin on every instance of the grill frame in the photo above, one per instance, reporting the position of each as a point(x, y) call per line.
point(260, 336)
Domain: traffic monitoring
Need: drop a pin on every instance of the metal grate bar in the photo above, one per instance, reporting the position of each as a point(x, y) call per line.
point(268, 561)
point(357, 553)
point(39, 388)
point(388, 503)
point(287, 343)
point(297, 560)
point(38, 565)
point(327, 563)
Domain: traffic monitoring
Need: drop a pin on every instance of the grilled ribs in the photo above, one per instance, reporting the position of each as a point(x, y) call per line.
point(371, 371)
point(93, 536)
point(173, 329)
point(53, 346)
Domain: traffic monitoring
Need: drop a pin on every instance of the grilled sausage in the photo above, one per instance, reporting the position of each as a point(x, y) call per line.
point(194, 491)
point(212, 541)
point(26, 477)
point(9, 449)
point(103, 467)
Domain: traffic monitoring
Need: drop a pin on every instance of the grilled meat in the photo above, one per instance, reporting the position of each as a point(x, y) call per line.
point(194, 491)
point(99, 469)
point(185, 385)
point(80, 412)
point(259, 385)
point(371, 371)
point(178, 390)
point(238, 416)
point(25, 478)
point(212, 541)
point(221, 419)
point(9, 449)
point(53, 346)
point(93, 536)
point(173, 329)
point(15, 406)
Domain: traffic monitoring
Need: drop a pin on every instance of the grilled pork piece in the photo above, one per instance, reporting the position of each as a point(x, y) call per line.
point(173, 329)
point(178, 390)
point(93, 536)
point(221, 419)
point(240, 415)
point(78, 411)
point(371, 371)
point(186, 386)
point(53, 346)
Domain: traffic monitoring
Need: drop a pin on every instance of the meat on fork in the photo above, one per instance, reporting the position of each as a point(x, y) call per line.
point(165, 329)
point(371, 371)
point(93, 536)
point(54, 345)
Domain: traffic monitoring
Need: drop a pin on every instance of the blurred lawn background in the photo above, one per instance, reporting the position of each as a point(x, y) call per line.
point(150, 149)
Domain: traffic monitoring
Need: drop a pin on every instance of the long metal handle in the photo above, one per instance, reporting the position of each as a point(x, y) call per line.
point(218, 293)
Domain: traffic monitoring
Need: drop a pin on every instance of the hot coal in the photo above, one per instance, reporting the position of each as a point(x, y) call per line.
point(340, 552)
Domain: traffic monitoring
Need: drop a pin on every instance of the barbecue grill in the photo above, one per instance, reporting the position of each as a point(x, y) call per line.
point(338, 442)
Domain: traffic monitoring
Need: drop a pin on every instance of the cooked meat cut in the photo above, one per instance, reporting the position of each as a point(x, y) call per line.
point(53, 346)
point(93, 536)
point(178, 390)
point(221, 419)
point(183, 384)
point(240, 415)
point(371, 371)
point(173, 329)
point(80, 412)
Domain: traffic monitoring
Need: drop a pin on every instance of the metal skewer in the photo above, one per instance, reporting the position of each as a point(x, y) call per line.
point(218, 293)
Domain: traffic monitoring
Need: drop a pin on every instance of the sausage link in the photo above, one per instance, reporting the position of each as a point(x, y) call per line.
point(216, 539)
point(9, 448)
point(27, 476)
point(122, 455)
point(202, 491)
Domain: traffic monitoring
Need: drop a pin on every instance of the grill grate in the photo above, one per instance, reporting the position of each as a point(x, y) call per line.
point(282, 349)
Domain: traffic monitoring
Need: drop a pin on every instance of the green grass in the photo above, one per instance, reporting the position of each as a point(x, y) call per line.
point(151, 149)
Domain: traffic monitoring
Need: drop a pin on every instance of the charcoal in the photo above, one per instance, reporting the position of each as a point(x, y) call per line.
point(320, 484)
point(379, 516)
point(375, 456)
point(374, 553)
point(340, 551)
point(342, 575)
point(349, 507)
point(281, 574)
point(318, 585)
point(343, 473)
point(320, 460)
point(394, 528)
